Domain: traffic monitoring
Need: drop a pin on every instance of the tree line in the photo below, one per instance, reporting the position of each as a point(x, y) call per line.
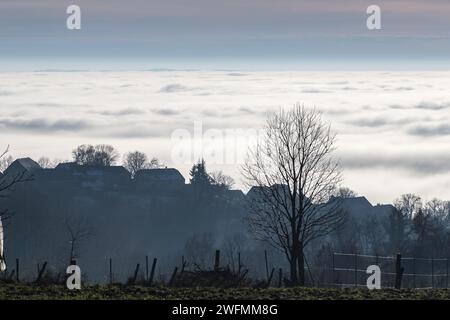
point(297, 196)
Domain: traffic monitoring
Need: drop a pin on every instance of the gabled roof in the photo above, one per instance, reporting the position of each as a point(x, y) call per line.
point(26, 164)
point(29, 164)
point(166, 174)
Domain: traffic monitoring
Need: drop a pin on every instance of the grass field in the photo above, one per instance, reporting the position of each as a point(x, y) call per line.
point(103, 292)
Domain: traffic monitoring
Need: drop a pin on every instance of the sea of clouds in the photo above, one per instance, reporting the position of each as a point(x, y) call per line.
point(393, 127)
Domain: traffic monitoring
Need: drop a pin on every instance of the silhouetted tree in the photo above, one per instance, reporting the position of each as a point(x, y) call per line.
point(345, 193)
point(135, 161)
point(295, 174)
point(5, 162)
point(199, 175)
point(6, 184)
point(400, 221)
point(100, 155)
point(154, 164)
point(222, 180)
point(78, 233)
point(46, 163)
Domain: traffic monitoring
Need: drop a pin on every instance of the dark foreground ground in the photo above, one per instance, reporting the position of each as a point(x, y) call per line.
point(24, 291)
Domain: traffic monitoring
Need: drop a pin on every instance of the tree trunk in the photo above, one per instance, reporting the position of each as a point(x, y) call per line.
point(301, 266)
point(293, 266)
point(293, 269)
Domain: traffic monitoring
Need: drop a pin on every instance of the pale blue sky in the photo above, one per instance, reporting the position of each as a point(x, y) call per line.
point(235, 34)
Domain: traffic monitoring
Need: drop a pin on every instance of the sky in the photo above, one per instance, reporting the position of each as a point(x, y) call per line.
point(139, 71)
point(240, 34)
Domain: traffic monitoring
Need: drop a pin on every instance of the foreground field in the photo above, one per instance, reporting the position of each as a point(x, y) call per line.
point(116, 292)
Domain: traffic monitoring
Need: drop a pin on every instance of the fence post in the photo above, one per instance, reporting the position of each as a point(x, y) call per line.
point(446, 278)
point(146, 268)
point(17, 270)
point(280, 277)
point(267, 265)
point(41, 272)
point(110, 271)
point(414, 273)
point(432, 273)
point(270, 277)
point(398, 271)
point(217, 261)
point(239, 263)
point(152, 274)
point(174, 274)
point(356, 270)
point(333, 278)
point(183, 264)
point(136, 271)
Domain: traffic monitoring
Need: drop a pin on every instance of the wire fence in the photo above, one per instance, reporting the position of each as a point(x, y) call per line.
point(340, 270)
point(94, 270)
point(349, 270)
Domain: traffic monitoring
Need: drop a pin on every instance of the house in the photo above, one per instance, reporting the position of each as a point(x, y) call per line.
point(93, 177)
point(25, 168)
point(158, 178)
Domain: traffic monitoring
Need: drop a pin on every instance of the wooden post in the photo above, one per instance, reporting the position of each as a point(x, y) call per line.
point(398, 271)
point(432, 273)
point(356, 270)
point(446, 277)
point(217, 261)
point(110, 271)
point(183, 264)
point(136, 271)
point(17, 270)
point(146, 268)
point(332, 269)
point(267, 265)
point(414, 273)
point(172, 278)
point(41, 272)
point(270, 277)
point(152, 274)
point(280, 278)
point(239, 264)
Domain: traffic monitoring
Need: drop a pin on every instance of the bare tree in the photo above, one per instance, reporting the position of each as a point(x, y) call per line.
point(46, 163)
point(5, 162)
point(408, 204)
point(6, 184)
point(221, 179)
point(294, 174)
point(135, 161)
point(78, 232)
point(399, 224)
point(233, 246)
point(8, 181)
point(154, 164)
point(105, 155)
point(345, 193)
point(100, 155)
